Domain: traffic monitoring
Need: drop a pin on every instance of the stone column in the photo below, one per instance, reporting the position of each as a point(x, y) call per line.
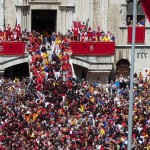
point(25, 11)
point(29, 20)
point(2, 13)
point(67, 21)
point(23, 19)
point(123, 13)
point(63, 21)
point(105, 14)
point(70, 19)
point(91, 13)
point(100, 14)
point(19, 15)
point(59, 20)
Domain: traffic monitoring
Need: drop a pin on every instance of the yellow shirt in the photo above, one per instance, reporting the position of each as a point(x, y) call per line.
point(92, 99)
point(57, 41)
point(106, 39)
point(45, 55)
point(59, 56)
point(102, 132)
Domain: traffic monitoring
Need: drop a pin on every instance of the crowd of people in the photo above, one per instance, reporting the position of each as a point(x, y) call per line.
point(84, 34)
point(53, 110)
point(140, 22)
point(10, 34)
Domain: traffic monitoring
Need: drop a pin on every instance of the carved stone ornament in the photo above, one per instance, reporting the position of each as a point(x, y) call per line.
point(91, 48)
point(1, 48)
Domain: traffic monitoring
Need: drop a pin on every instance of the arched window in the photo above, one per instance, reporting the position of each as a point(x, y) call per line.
point(140, 13)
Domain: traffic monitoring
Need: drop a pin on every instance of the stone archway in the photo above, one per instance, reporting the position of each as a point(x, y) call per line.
point(80, 71)
point(19, 70)
point(123, 68)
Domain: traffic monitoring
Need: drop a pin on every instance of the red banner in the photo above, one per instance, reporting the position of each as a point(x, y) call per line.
point(146, 8)
point(12, 48)
point(93, 48)
point(140, 34)
point(77, 24)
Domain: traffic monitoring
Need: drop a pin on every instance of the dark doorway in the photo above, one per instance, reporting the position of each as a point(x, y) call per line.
point(123, 68)
point(44, 21)
point(20, 71)
point(80, 71)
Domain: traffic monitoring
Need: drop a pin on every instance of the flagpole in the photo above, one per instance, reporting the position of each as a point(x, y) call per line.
point(132, 75)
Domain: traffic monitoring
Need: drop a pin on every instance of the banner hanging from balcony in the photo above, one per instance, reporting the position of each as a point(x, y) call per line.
point(146, 8)
point(12, 48)
point(140, 34)
point(93, 48)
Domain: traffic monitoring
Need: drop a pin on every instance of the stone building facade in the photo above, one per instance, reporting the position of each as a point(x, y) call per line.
point(110, 15)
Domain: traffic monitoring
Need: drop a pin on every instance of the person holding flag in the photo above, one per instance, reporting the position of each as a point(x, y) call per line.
point(75, 31)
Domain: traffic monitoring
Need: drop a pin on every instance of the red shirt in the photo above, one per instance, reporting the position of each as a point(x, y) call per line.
point(98, 33)
point(75, 31)
point(94, 38)
point(89, 32)
point(82, 37)
point(18, 30)
point(8, 31)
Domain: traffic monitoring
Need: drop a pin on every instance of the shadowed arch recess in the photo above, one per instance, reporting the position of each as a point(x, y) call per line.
point(123, 68)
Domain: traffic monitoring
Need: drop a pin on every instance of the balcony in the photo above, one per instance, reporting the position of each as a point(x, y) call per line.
point(12, 48)
point(140, 34)
point(93, 48)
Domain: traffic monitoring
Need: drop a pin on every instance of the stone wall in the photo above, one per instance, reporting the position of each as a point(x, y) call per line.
point(2, 14)
point(8, 61)
point(142, 55)
point(98, 76)
point(10, 12)
point(100, 14)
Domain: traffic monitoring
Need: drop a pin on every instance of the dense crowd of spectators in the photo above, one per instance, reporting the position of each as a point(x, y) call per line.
point(52, 110)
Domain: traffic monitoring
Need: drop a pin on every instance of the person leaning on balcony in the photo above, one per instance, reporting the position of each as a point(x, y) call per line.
point(94, 37)
point(141, 22)
point(82, 37)
point(75, 33)
point(112, 38)
point(89, 33)
point(98, 33)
